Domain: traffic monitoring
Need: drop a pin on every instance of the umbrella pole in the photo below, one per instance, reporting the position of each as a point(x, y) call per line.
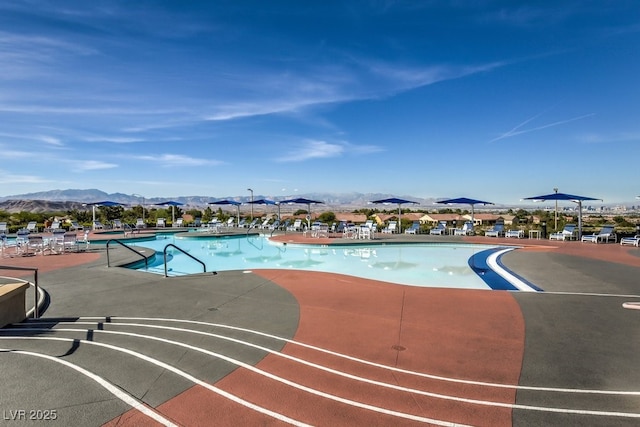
point(579, 220)
point(399, 218)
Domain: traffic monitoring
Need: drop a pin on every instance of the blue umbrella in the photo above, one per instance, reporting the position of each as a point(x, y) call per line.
point(465, 201)
point(566, 197)
point(303, 201)
point(173, 207)
point(229, 202)
point(107, 203)
point(266, 202)
point(395, 201)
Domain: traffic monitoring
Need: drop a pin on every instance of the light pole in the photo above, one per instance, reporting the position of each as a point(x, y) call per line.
point(555, 228)
point(142, 197)
point(251, 191)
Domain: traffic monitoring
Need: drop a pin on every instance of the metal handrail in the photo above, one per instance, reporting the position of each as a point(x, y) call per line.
point(35, 283)
point(204, 266)
point(146, 260)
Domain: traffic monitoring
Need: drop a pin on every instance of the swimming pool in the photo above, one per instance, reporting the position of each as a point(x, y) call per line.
point(451, 265)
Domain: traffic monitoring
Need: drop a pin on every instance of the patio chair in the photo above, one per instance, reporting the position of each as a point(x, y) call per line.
point(117, 224)
point(140, 223)
point(496, 231)
point(605, 234)
point(75, 226)
point(518, 234)
point(297, 225)
point(178, 223)
point(97, 225)
point(160, 222)
point(70, 241)
point(32, 227)
point(414, 229)
point(569, 232)
point(390, 228)
point(3, 228)
point(633, 241)
point(466, 230)
point(242, 223)
point(439, 229)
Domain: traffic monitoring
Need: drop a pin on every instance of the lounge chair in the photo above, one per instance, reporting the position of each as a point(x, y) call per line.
point(32, 227)
point(97, 225)
point(230, 222)
point(569, 232)
point(633, 241)
point(518, 234)
point(496, 231)
point(197, 222)
point(414, 229)
point(604, 235)
point(70, 241)
point(390, 228)
point(55, 225)
point(3, 228)
point(439, 229)
point(140, 223)
point(160, 222)
point(242, 223)
point(178, 223)
point(466, 230)
point(75, 226)
point(117, 224)
point(297, 225)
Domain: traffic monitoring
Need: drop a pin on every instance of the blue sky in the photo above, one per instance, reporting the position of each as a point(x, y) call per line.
point(496, 100)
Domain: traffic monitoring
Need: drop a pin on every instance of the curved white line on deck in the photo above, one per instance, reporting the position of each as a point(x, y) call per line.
point(377, 365)
point(117, 392)
point(492, 262)
point(242, 365)
point(344, 374)
point(175, 370)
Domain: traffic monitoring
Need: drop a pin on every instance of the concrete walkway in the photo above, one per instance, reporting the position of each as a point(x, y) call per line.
point(271, 347)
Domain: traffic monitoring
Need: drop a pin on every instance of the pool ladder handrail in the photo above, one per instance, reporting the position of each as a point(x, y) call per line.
point(204, 266)
point(146, 259)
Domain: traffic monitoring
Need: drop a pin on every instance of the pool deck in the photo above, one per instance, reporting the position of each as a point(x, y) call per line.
point(278, 347)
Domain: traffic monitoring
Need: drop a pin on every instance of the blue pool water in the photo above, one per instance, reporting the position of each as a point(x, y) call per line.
point(431, 265)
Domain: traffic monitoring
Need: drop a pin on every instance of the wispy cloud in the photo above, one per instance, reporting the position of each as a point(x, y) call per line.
point(517, 130)
point(175, 160)
point(91, 165)
point(315, 149)
point(593, 138)
point(9, 178)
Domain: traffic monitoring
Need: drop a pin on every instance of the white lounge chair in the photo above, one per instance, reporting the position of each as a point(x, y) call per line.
point(604, 235)
point(160, 223)
point(633, 241)
point(178, 223)
point(518, 234)
point(439, 229)
point(297, 226)
point(75, 226)
point(414, 228)
point(466, 230)
point(32, 227)
point(569, 232)
point(390, 228)
point(140, 223)
point(495, 231)
point(3, 228)
point(117, 224)
point(97, 225)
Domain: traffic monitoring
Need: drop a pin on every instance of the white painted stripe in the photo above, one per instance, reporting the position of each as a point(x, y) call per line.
point(117, 392)
point(631, 305)
point(492, 261)
point(379, 365)
point(176, 371)
point(344, 374)
point(250, 368)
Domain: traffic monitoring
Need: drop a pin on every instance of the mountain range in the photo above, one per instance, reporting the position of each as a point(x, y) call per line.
point(61, 200)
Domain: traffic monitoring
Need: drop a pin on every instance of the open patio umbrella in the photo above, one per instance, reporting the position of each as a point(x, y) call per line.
point(229, 202)
point(568, 197)
point(173, 208)
point(465, 201)
point(103, 203)
point(396, 201)
point(266, 202)
point(303, 201)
